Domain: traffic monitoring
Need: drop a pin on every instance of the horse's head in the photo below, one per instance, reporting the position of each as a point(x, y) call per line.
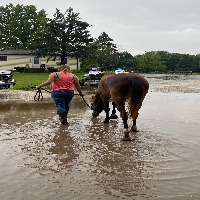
point(97, 105)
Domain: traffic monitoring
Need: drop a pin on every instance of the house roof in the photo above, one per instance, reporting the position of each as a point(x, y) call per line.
point(16, 52)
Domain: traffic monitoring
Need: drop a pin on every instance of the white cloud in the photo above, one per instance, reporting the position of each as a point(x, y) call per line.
point(137, 25)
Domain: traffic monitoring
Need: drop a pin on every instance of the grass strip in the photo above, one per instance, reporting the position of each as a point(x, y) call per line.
point(24, 79)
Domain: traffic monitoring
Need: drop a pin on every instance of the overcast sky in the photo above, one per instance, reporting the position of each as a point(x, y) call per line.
point(136, 26)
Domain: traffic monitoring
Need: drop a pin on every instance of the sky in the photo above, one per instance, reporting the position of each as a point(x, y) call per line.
point(136, 26)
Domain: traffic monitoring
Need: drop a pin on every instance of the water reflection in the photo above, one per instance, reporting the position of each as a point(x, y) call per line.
point(87, 159)
point(91, 148)
point(117, 166)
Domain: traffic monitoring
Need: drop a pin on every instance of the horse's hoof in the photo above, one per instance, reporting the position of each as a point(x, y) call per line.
point(126, 135)
point(126, 132)
point(113, 116)
point(64, 123)
point(106, 121)
point(126, 138)
point(134, 129)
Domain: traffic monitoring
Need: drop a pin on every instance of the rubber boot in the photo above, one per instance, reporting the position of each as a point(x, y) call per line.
point(63, 117)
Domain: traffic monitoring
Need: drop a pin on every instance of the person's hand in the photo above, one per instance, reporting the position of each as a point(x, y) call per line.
point(37, 87)
point(81, 95)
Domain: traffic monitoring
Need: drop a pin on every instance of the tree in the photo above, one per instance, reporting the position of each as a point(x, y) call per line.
point(164, 57)
point(101, 53)
point(174, 59)
point(89, 60)
point(105, 52)
point(186, 63)
point(67, 36)
point(126, 60)
point(20, 25)
point(197, 63)
point(150, 61)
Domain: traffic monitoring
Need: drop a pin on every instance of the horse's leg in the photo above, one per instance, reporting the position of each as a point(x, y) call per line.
point(134, 127)
point(106, 108)
point(134, 122)
point(124, 117)
point(135, 116)
point(125, 131)
point(113, 115)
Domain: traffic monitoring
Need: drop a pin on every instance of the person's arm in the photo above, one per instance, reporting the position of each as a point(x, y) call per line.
point(77, 85)
point(48, 82)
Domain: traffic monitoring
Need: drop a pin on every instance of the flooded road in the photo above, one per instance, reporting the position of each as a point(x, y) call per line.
point(41, 159)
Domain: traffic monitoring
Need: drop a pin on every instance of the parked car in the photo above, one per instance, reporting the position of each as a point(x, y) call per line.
point(93, 76)
point(6, 80)
point(94, 71)
point(119, 70)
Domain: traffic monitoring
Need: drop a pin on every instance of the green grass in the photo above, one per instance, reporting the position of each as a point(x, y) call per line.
point(24, 79)
point(80, 74)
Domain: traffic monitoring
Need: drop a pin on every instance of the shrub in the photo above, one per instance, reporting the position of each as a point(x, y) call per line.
point(52, 69)
point(19, 69)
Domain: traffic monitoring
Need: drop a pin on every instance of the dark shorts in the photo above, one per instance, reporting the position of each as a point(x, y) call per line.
point(62, 99)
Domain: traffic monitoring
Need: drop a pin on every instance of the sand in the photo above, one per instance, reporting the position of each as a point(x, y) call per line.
point(158, 83)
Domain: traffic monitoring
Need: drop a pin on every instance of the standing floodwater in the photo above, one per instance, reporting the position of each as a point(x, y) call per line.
point(41, 159)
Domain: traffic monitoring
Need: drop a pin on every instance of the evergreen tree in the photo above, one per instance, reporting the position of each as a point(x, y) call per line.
point(67, 36)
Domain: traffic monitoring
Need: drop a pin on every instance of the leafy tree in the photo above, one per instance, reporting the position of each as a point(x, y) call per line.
point(164, 57)
point(105, 52)
point(89, 60)
point(101, 53)
point(126, 60)
point(174, 59)
point(186, 63)
point(67, 36)
point(20, 25)
point(150, 61)
point(197, 63)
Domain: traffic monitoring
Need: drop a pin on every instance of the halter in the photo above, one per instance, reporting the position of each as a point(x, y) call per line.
point(40, 96)
point(39, 92)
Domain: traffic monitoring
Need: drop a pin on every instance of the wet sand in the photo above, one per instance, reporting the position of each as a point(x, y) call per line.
point(158, 83)
point(41, 159)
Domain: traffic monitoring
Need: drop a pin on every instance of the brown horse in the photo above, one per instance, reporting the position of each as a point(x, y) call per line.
point(119, 88)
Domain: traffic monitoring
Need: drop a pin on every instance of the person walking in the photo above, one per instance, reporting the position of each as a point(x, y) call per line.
point(62, 91)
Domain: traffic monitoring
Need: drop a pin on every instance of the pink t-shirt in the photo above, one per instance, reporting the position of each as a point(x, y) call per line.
point(64, 83)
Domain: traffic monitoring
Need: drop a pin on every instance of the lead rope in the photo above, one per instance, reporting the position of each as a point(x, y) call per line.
point(82, 96)
point(84, 101)
point(40, 96)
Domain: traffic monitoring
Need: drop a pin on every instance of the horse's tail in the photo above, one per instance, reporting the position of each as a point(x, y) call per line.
point(138, 92)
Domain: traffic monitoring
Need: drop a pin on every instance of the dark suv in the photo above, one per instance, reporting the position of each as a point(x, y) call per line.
point(6, 80)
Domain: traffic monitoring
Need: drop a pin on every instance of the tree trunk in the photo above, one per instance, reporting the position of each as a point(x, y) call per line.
point(77, 64)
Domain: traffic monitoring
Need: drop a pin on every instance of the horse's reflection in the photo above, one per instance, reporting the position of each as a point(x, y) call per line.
point(116, 164)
